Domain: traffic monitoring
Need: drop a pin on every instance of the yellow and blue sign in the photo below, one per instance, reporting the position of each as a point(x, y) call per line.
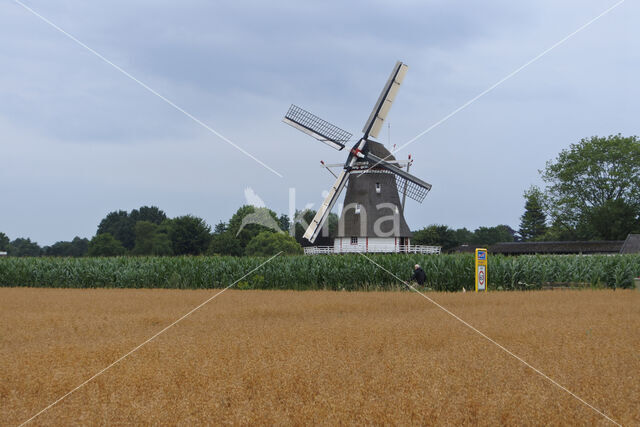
point(481, 270)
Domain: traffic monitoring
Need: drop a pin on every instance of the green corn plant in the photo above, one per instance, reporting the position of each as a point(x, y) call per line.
point(334, 272)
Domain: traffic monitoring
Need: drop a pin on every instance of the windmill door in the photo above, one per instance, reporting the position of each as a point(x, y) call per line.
point(403, 244)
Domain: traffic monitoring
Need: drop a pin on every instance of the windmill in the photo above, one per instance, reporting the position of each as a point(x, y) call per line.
point(374, 176)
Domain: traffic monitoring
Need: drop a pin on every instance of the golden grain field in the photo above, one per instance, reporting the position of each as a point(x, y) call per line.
point(285, 357)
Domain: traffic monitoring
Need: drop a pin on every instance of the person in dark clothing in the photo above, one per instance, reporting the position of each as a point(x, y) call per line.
point(419, 275)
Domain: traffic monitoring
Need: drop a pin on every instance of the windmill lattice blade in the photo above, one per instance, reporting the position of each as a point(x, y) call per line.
point(415, 188)
point(411, 189)
point(316, 127)
point(321, 216)
point(383, 105)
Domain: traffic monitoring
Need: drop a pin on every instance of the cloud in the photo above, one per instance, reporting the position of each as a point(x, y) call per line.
point(82, 138)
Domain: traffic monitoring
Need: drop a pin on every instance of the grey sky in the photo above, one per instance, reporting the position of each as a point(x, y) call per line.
point(79, 139)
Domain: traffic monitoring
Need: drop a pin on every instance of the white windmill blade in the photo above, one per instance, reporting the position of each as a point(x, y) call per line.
point(322, 214)
point(382, 107)
point(316, 127)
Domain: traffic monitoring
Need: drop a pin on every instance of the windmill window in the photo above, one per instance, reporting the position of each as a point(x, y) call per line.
point(354, 240)
point(378, 187)
point(357, 210)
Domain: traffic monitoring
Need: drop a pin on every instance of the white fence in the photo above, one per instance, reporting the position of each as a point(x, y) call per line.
point(3, 253)
point(409, 249)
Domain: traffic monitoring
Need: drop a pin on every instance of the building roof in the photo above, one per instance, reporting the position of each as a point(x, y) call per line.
point(468, 248)
point(380, 212)
point(631, 245)
point(576, 247)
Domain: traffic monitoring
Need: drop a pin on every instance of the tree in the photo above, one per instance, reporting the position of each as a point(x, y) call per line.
point(269, 243)
point(598, 176)
point(284, 222)
point(79, 247)
point(151, 214)
point(145, 233)
point(161, 245)
point(151, 239)
point(121, 226)
point(189, 235)
point(249, 221)
point(105, 245)
point(225, 244)
point(61, 248)
point(463, 236)
point(220, 228)
point(326, 235)
point(491, 235)
point(442, 235)
point(436, 235)
point(76, 248)
point(24, 247)
point(427, 236)
point(533, 223)
point(5, 243)
point(614, 220)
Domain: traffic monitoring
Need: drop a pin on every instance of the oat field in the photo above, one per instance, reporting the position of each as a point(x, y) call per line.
point(318, 357)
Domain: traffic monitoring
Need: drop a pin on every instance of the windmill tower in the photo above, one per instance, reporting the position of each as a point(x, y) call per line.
point(372, 219)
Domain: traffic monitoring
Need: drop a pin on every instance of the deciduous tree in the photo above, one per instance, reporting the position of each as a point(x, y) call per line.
point(121, 226)
point(326, 235)
point(151, 214)
point(249, 221)
point(189, 235)
point(591, 182)
point(225, 244)
point(105, 245)
point(76, 248)
point(4, 242)
point(269, 243)
point(491, 235)
point(151, 239)
point(24, 247)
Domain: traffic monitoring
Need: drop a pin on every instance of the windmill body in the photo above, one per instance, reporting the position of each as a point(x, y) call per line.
point(372, 218)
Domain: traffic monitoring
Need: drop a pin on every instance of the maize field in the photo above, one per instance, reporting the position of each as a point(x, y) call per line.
point(332, 272)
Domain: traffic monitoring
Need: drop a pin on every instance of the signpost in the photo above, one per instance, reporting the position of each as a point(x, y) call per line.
point(481, 270)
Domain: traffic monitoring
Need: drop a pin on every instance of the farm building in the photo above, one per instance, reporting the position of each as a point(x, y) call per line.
point(558, 248)
point(629, 246)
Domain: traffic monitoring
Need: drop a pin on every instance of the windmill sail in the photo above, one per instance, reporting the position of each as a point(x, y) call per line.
point(382, 107)
point(414, 187)
point(321, 216)
point(316, 127)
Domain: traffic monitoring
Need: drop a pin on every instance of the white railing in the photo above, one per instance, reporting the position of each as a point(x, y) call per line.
point(412, 249)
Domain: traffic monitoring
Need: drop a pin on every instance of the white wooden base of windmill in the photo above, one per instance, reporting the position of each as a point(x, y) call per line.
point(372, 219)
point(372, 248)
